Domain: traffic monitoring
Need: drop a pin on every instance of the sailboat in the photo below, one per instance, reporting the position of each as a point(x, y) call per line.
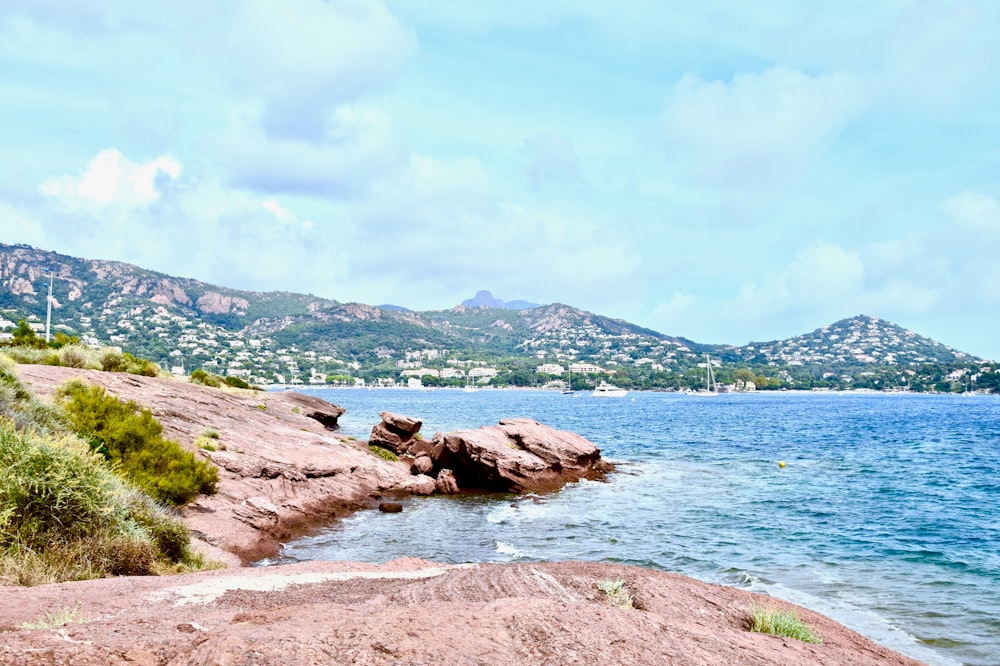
point(711, 388)
point(469, 388)
point(569, 385)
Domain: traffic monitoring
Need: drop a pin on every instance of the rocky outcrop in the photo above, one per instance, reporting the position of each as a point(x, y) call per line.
point(395, 432)
point(316, 408)
point(281, 470)
point(517, 455)
point(412, 612)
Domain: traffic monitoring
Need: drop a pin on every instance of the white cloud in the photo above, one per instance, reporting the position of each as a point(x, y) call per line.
point(112, 179)
point(979, 213)
point(757, 126)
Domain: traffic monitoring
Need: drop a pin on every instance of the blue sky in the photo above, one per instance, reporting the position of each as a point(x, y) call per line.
point(720, 170)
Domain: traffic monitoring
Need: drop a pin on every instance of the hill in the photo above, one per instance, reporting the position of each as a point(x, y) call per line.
point(268, 337)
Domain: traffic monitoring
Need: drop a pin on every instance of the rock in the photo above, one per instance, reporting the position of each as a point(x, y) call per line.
point(280, 475)
point(520, 455)
point(418, 485)
point(390, 507)
point(395, 432)
point(317, 408)
point(446, 483)
point(401, 424)
point(414, 612)
point(422, 465)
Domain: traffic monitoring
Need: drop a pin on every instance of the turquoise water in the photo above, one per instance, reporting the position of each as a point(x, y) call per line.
point(885, 516)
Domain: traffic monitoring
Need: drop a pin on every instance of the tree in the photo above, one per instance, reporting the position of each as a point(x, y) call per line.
point(25, 336)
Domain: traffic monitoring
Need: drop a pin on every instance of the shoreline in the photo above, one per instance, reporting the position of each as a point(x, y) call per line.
point(283, 497)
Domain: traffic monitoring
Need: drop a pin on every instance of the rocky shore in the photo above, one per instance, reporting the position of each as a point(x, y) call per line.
point(284, 471)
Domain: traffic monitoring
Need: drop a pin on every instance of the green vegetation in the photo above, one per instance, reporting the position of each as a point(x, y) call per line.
point(209, 441)
point(781, 623)
point(60, 618)
point(199, 376)
point(69, 353)
point(617, 593)
point(129, 437)
point(236, 382)
point(384, 454)
point(65, 514)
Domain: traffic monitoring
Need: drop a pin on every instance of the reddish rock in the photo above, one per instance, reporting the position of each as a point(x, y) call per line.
point(390, 507)
point(520, 455)
point(316, 408)
point(352, 613)
point(446, 483)
point(281, 473)
point(404, 425)
point(420, 484)
point(395, 432)
point(422, 465)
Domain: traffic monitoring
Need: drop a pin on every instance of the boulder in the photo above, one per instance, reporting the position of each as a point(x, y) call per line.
point(390, 507)
point(420, 484)
point(446, 483)
point(519, 455)
point(395, 432)
point(422, 465)
point(317, 408)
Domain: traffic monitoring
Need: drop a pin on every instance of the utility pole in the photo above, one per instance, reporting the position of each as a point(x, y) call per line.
point(48, 313)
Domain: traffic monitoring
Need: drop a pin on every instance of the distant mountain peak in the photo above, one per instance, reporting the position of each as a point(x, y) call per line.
point(485, 299)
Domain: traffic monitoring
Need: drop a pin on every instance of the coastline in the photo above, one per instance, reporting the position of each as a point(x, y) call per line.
point(291, 485)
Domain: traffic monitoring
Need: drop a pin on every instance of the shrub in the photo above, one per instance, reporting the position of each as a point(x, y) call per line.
point(617, 593)
point(32, 355)
point(78, 356)
point(384, 454)
point(23, 410)
point(131, 438)
point(781, 623)
point(199, 376)
point(236, 382)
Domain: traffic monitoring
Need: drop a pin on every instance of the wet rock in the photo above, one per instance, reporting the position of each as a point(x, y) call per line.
point(390, 507)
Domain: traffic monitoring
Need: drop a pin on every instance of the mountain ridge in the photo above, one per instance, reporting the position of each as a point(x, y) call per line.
point(275, 336)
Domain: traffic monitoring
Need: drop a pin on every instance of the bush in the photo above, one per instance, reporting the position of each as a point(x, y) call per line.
point(21, 408)
point(236, 382)
point(384, 454)
point(782, 623)
point(199, 376)
point(132, 439)
point(64, 512)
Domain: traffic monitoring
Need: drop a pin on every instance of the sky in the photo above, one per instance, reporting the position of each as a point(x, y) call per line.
point(720, 170)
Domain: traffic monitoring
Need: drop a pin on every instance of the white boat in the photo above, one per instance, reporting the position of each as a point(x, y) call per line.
point(711, 389)
point(605, 390)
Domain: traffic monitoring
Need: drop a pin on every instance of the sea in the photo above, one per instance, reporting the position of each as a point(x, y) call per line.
point(885, 515)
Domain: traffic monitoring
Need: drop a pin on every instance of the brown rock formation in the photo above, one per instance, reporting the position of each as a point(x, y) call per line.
point(412, 612)
point(395, 432)
point(519, 455)
point(280, 471)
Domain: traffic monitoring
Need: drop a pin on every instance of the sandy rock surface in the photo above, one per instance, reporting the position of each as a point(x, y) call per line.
point(409, 612)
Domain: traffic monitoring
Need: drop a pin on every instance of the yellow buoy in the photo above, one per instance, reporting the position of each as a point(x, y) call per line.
point(781, 464)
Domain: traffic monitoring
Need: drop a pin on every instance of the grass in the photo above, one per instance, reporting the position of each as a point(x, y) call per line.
point(60, 618)
point(384, 454)
point(617, 593)
point(781, 623)
point(65, 513)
